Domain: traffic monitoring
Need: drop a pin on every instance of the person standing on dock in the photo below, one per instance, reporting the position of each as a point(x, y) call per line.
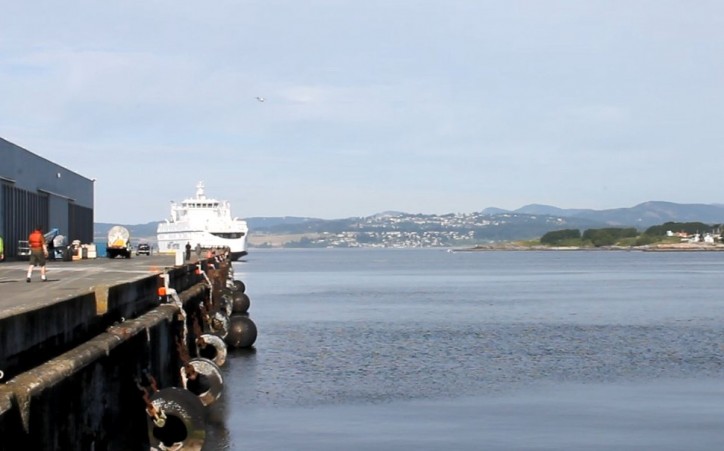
point(38, 253)
point(188, 251)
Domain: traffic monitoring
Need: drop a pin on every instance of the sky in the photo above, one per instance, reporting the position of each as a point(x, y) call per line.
point(420, 106)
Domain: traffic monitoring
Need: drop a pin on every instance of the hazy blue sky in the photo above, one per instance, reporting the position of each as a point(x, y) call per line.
point(427, 106)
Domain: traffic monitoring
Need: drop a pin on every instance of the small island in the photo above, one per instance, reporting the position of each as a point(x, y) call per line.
point(670, 236)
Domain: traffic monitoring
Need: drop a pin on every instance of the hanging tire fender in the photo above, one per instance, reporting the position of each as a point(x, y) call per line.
point(210, 381)
point(219, 324)
point(183, 426)
point(218, 349)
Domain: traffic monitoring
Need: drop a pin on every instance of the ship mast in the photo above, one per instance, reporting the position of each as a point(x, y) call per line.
point(200, 191)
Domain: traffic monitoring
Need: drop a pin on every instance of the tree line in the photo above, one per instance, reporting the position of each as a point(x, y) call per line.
point(610, 236)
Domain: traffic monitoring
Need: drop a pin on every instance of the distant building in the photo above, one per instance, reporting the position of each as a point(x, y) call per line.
point(38, 192)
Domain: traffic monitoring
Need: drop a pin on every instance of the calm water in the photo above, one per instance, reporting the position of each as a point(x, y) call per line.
point(431, 350)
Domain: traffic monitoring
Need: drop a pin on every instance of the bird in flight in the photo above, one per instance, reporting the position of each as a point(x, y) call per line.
point(261, 99)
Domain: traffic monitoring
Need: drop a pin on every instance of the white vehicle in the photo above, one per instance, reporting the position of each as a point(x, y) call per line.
point(119, 242)
point(205, 222)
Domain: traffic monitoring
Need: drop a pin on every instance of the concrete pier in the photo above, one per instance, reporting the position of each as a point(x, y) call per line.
point(74, 349)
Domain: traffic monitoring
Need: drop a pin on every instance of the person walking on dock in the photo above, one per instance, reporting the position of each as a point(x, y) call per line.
point(38, 253)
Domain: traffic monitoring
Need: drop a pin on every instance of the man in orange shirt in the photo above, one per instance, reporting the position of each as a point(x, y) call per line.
point(38, 253)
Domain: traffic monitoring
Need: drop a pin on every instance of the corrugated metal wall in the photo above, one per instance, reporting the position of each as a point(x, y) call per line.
point(23, 211)
point(80, 223)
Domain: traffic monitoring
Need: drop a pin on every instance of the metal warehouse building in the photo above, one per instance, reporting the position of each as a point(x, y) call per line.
point(38, 192)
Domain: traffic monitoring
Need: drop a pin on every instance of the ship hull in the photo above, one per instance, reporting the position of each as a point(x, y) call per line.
point(237, 255)
point(170, 242)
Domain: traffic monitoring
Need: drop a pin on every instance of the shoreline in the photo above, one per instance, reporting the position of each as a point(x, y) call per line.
point(669, 247)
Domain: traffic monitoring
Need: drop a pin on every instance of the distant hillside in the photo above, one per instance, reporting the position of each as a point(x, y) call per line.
point(642, 215)
point(264, 223)
point(653, 213)
point(494, 211)
point(492, 224)
point(538, 209)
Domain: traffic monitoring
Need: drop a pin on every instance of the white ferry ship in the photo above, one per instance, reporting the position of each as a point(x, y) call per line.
point(202, 221)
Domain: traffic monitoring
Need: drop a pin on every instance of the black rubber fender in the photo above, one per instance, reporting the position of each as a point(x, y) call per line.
point(242, 332)
point(239, 286)
point(241, 303)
